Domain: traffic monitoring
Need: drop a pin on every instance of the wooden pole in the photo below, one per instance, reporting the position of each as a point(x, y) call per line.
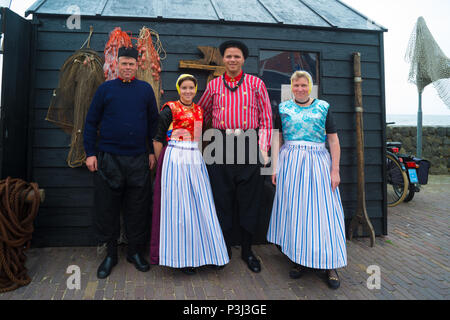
point(361, 219)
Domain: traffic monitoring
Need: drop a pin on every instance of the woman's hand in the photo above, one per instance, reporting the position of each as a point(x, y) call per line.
point(151, 161)
point(274, 179)
point(335, 179)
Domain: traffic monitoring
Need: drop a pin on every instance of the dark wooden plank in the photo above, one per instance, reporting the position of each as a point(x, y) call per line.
point(348, 192)
point(345, 86)
point(103, 26)
point(63, 177)
point(372, 156)
point(68, 197)
point(50, 138)
point(63, 237)
point(345, 103)
point(372, 173)
point(42, 98)
point(64, 217)
point(374, 208)
point(177, 44)
point(344, 69)
point(50, 157)
point(372, 139)
point(346, 120)
point(53, 60)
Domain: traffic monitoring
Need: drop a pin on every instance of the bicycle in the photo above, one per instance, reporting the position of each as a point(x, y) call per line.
point(405, 174)
point(396, 178)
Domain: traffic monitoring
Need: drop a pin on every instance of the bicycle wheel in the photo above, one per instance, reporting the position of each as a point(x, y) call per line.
point(411, 192)
point(397, 182)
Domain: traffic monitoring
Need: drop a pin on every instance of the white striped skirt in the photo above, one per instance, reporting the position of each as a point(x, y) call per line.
point(190, 234)
point(307, 219)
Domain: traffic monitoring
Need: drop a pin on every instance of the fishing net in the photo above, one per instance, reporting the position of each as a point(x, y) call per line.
point(149, 60)
point(117, 39)
point(428, 62)
point(80, 76)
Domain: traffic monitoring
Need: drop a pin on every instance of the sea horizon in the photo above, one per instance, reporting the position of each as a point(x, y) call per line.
point(435, 120)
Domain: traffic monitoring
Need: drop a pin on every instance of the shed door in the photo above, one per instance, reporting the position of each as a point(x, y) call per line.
point(15, 92)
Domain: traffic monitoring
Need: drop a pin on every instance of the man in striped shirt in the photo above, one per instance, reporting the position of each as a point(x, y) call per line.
point(238, 104)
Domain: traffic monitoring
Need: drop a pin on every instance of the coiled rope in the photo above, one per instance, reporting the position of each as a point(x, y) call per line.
point(16, 228)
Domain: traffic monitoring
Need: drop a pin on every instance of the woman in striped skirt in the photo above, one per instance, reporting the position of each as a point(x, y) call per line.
point(307, 220)
point(189, 232)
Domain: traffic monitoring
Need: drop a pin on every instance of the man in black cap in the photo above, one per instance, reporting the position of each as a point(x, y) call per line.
point(238, 104)
point(124, 111)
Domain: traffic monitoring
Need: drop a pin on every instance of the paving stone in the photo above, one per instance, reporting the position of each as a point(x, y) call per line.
point(413, 260)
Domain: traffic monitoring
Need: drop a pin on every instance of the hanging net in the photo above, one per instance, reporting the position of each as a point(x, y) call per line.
point(80, 76)
point(428, 62)
point(149, 60)
point(117, 39)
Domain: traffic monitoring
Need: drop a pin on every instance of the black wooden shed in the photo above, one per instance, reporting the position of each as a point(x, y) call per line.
point(282, 35)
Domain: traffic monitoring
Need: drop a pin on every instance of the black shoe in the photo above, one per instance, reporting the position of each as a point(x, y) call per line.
point(252, 263)
point(333, 279)
point(106, 267)
point(189, 271)
point(216, 267)
point(139, 262)
point(296, 271)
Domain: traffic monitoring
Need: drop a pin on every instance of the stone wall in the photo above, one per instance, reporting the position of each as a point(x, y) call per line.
point(435, 144)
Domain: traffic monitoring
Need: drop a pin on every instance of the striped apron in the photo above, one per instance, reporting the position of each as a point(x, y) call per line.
point(190, 234)
point(307, 218)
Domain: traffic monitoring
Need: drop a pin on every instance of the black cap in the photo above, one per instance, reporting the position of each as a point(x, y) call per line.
point(234, 44)
point(128, 52)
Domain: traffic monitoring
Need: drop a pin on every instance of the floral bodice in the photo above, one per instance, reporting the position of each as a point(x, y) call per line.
point(187, 121)
point(304, 123)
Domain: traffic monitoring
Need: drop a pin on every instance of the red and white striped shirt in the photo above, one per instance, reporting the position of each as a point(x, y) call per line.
point(248, 107)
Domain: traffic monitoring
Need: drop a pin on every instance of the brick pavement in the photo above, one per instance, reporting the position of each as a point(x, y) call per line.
point(413, 260)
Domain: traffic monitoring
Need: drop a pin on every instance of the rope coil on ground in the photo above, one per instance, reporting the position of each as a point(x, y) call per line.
point(16, 228)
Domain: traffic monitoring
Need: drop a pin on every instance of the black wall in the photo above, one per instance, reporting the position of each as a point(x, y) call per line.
point(64, 218)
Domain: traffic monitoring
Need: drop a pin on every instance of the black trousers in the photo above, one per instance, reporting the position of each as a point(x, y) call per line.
point(237, 187)
point(122, 183)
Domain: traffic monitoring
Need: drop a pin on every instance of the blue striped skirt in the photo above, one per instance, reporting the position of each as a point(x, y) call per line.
point(190, 234)
point(307, 218)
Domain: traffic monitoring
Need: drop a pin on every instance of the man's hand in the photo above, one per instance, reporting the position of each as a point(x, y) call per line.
point(265, 157)
point(91, 163)
point(151, 161)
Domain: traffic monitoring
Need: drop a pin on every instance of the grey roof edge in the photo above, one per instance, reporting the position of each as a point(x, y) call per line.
point(34, 7)
point(365, 17)
point(227, 22)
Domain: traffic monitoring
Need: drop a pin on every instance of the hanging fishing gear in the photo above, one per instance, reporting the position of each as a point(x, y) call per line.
point(80, 76)
point(149, 47)
point(117, 39)
point(149, 60)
